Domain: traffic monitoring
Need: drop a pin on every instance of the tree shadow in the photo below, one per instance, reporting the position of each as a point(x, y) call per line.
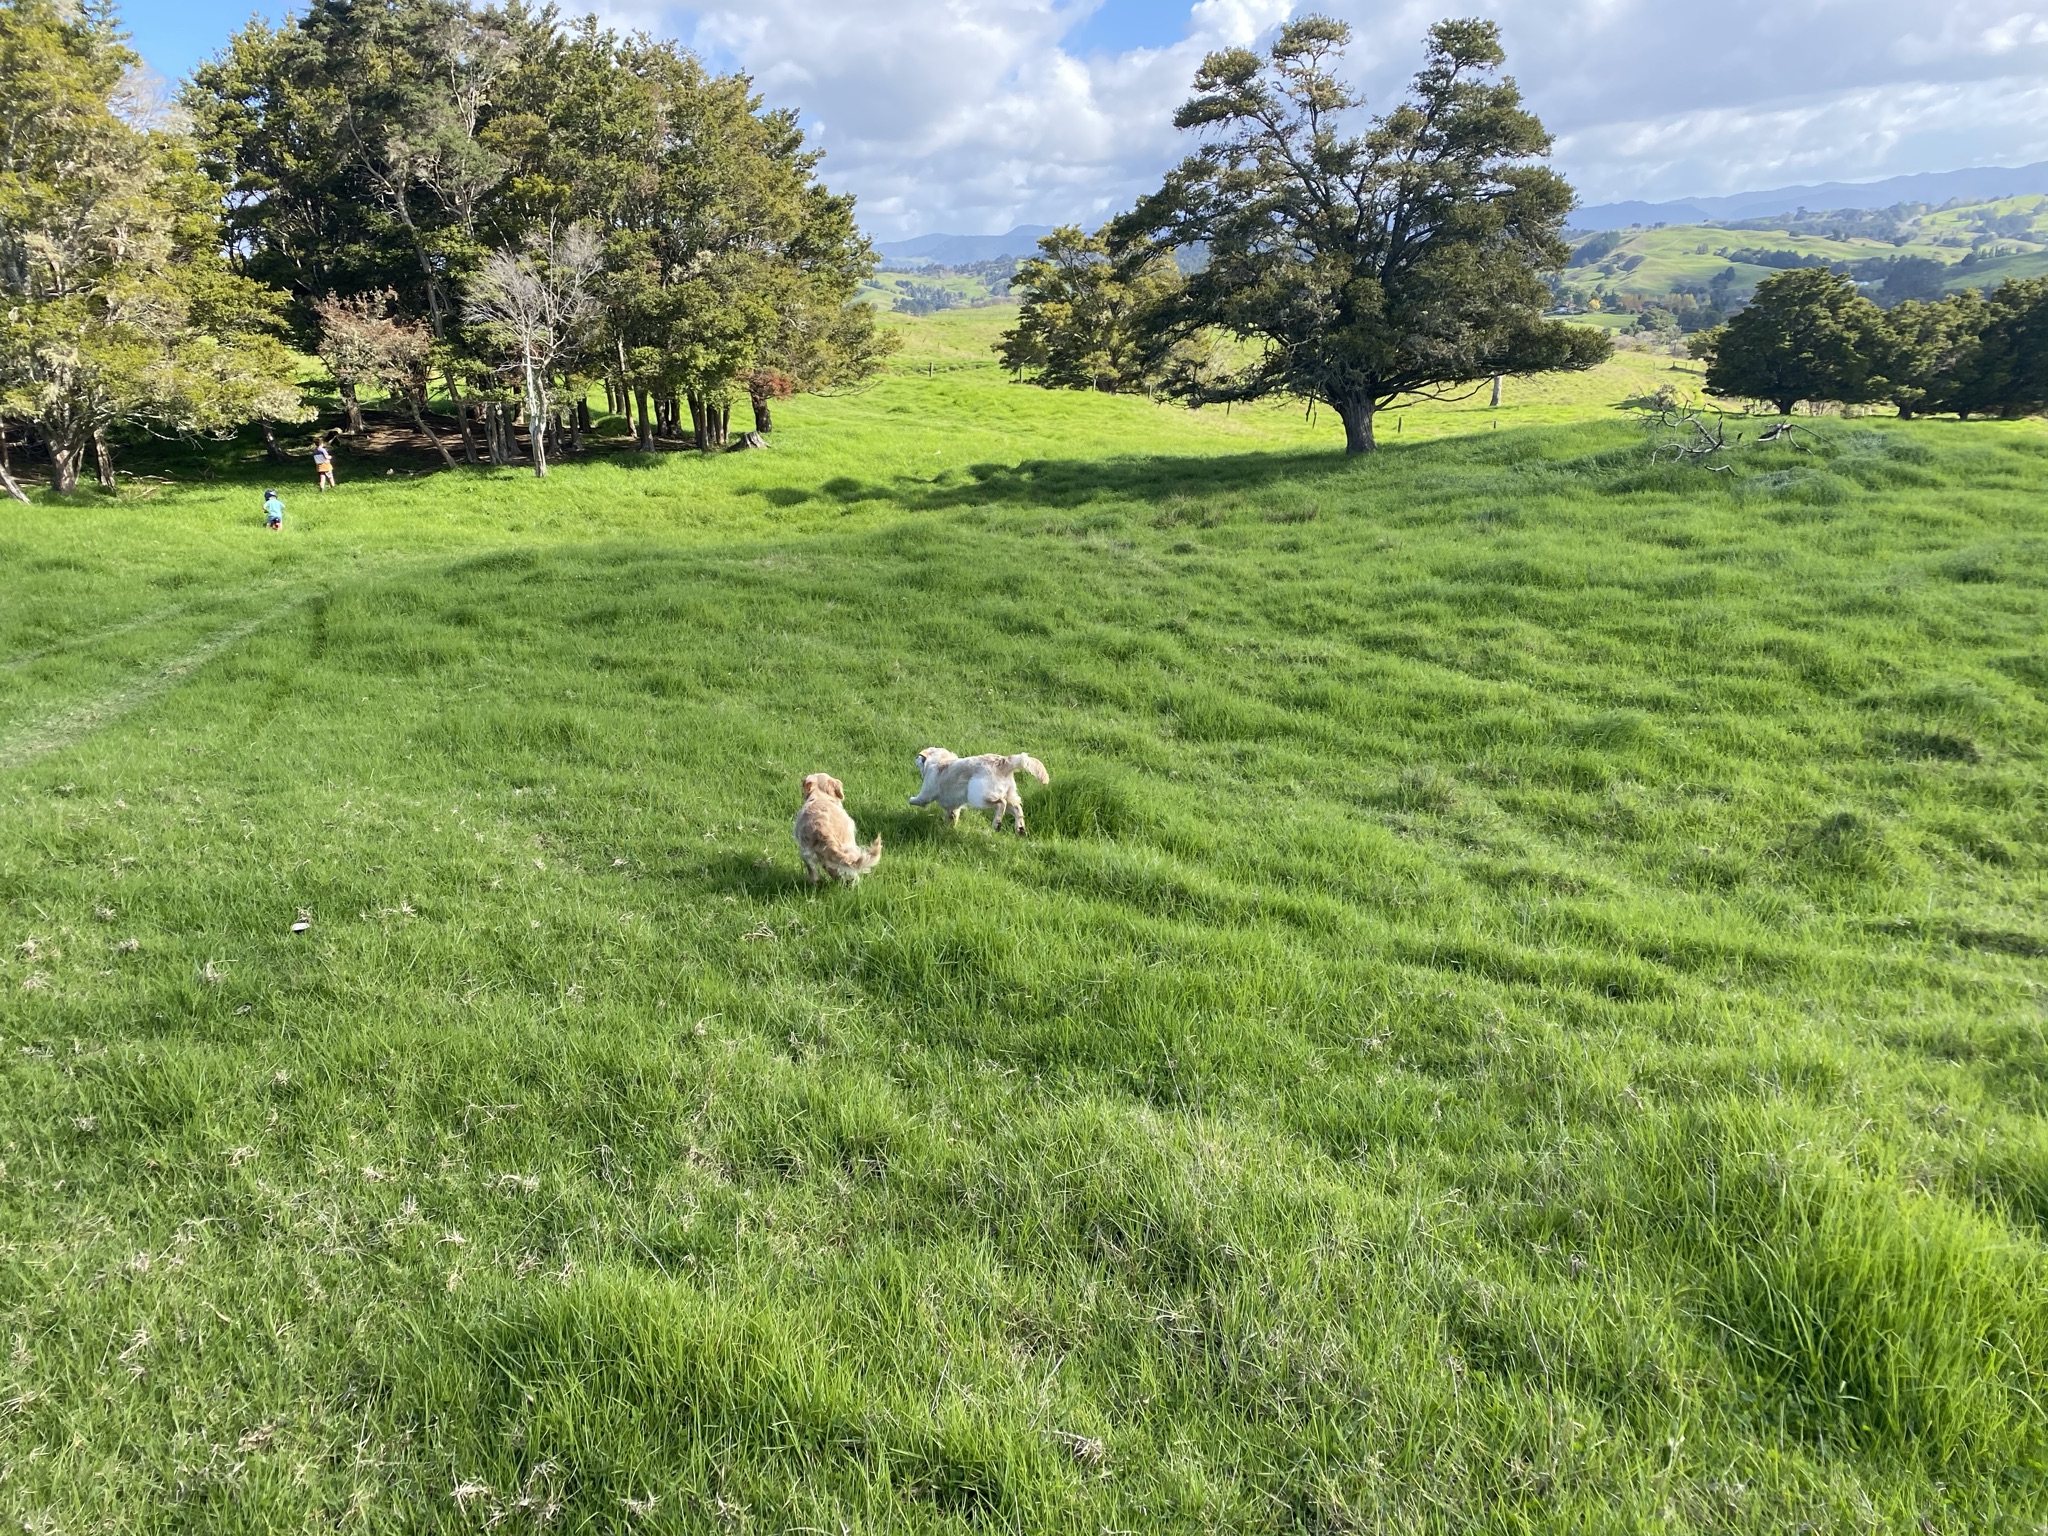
point(1069, 483)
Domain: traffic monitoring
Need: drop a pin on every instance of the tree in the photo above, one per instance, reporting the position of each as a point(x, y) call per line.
point(1807, 335)
point(540, 304)
point(1086, 318)
point(1923, 348)
point(819, 344)
point(1911, 277)
point(363, 343)
point(1365, 267)
point(365, 147)
point(119, 306)
point(2005, 372)
point(733, 235)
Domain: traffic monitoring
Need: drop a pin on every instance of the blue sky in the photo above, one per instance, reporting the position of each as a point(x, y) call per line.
point(174, 35)
point(973, 115)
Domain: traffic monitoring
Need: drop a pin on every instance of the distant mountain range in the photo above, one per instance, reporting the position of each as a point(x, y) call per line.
point(959, 250)
point(1980, 184)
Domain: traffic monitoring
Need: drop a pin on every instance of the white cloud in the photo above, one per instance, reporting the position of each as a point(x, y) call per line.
point(968, 115)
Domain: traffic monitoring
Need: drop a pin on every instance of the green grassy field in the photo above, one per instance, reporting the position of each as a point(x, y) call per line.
point(1524, 1007)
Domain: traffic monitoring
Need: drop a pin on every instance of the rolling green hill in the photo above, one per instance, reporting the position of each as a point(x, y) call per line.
point(1691, 267)
point(923, 293)
point(1522, 1007)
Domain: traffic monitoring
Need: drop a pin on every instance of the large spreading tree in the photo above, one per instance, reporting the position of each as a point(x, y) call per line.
point(1365, 262)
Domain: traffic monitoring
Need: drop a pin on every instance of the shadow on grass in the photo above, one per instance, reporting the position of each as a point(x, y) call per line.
point(1065, 483)
point(1069, 482)
point(1039, 482)
point(390, 450)
point(781, 874)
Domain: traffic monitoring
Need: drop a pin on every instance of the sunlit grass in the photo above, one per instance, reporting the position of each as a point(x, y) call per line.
point(1522, 1008)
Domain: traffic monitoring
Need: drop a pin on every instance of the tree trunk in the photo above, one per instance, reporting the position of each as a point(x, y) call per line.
point(536, 421)
point(64, 461)
point(103, 459)
point(764, 423)
point(271, 450)
point(646, 422)
point(7, 470)
point(1357, 418)
point(353, 406)
point(700, 428)
point(462, 423)
point(1495, 403)
point(1784, 406)
point(413, 396)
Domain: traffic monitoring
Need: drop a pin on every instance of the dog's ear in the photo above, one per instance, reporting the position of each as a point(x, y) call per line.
point(811, 784)
point(832, 786)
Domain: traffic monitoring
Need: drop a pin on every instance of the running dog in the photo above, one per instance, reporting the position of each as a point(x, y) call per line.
point(985, 783)
point(825, 838)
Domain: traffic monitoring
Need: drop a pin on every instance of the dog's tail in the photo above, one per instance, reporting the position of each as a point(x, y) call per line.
point(865, 859)
point(1023, 762)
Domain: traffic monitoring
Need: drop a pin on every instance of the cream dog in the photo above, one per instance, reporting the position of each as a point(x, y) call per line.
point(984, 783)
point(825, 838)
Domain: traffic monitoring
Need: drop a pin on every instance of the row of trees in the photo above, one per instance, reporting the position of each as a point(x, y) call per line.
point(1347, 262)
point(1810, 335)
point(439, 197)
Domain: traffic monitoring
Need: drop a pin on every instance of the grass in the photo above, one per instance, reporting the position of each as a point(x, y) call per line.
point(1522, 1008)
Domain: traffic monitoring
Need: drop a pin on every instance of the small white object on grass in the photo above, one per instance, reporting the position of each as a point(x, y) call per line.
point(301, 926)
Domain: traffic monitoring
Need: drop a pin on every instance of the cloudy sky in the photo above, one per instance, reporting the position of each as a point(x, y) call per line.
point(971, 116)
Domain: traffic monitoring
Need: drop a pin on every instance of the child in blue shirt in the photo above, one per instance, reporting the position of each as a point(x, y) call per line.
point(273, 511)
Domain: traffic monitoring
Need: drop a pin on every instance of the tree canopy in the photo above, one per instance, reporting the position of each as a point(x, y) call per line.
point(421, 148)
point(120, 305)
point(1810, 335)
point(1088, 319)
point(1807, 335)
point(1364, 262)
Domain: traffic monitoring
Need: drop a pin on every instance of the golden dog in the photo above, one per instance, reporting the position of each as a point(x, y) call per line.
point(987, 782)
point(825, 838)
